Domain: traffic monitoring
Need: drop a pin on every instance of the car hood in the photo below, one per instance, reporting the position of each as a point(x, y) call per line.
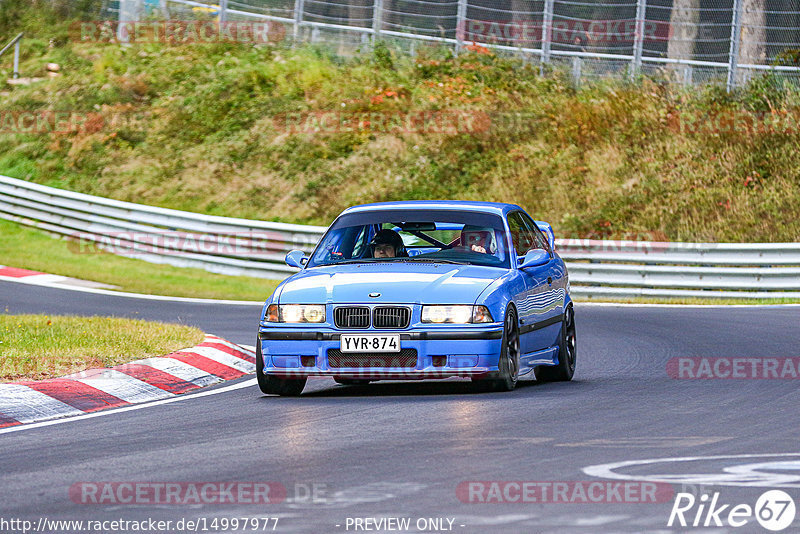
point(423, 283)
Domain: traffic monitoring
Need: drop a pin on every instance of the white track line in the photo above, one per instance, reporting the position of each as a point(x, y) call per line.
point(261, 303)
point(703, 306)
point(178, 398)
point(133, 295)
point(25, 404)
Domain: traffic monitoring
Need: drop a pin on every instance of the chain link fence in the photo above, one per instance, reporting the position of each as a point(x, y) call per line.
point(685, 41)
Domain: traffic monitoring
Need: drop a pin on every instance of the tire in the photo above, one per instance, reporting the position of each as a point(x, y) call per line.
point(351, 381)
point(273, 385)
point(567, 353)
point(506, 378)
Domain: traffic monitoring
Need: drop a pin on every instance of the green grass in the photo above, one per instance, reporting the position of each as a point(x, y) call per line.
point(35, 347)
point(203, 128)
point(31, 249)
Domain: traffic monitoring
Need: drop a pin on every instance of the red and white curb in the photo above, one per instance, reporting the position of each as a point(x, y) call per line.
point(15, 274)
point(214, 360)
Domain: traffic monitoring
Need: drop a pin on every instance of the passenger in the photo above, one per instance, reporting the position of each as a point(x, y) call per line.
point(387, 244)
point(478, 239)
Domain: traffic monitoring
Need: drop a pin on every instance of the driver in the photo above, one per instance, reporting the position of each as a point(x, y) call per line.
point(387, 244)
point(478, 239)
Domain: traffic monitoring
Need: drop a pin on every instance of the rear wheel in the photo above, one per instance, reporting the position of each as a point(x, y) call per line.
point(505, 379)
point(273, 385)
point(567, 353)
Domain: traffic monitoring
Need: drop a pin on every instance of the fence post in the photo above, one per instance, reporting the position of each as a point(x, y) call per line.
point(15, 73)
point(377, 19)
point(688, 75)
point(736, 35)
point(576, 70)
point(547, 26)
point(298, 18)
point(223, 11)
point(461, 22)
point(129, 12)
point(638, 38)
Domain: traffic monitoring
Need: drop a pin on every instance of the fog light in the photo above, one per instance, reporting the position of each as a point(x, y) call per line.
point(308, 361)
point(439, 361)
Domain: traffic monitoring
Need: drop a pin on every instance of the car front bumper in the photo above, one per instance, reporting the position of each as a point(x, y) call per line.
point(440, 353)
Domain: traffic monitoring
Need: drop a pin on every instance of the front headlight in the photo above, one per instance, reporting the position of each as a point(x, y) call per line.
point(295, 313)
point(456, 314)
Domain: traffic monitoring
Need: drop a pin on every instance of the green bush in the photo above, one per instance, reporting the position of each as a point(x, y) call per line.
point(228, 129)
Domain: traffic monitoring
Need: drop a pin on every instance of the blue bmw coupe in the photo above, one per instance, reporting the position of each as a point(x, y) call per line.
point(420, 290)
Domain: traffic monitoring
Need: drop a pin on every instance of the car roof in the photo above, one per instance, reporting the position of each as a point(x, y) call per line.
point(498, 208)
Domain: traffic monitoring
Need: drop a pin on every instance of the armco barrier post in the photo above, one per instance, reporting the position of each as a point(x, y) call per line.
point(15, 73)
point(638, 38)
point(736, 35)
point(298, 18)
point(547, 33)
point(377, 19)
point(461, 21)
point(576, 70)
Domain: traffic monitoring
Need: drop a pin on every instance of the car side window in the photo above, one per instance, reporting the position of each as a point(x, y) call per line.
point(521, 235)
point(541, 239)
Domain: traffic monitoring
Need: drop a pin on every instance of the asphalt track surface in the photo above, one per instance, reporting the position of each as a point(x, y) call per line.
point(396, 449)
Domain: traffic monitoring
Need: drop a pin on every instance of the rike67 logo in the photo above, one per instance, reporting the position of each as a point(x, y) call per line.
point(774, 510)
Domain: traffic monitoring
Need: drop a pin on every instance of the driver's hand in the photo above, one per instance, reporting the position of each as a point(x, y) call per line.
point(478, 248)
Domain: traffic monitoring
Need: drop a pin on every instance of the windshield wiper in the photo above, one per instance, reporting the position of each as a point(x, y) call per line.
point(434, 260)
point(350, 261)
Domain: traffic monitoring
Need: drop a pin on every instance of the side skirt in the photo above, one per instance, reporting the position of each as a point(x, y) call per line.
point(542, 357)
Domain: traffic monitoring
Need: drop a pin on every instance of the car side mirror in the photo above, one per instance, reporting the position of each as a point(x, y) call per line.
point(548, 231)
point(535, 258)
point(296, 258)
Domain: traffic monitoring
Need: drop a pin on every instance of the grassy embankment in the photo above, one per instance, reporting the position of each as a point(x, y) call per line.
point(37, 346)
point(202, 128)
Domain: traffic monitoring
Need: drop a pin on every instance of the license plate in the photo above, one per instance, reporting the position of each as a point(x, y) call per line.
point(370, 343)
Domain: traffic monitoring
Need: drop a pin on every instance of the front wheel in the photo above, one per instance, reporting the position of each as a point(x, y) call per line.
point(506, 377)
point(567, 353)
point(273, 385)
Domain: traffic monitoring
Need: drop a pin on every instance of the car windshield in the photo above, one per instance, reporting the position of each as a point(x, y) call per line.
point(441, 236)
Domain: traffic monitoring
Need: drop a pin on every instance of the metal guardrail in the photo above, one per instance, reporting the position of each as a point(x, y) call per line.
point(184, 239)
point(233, 246)
point(15, 43)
